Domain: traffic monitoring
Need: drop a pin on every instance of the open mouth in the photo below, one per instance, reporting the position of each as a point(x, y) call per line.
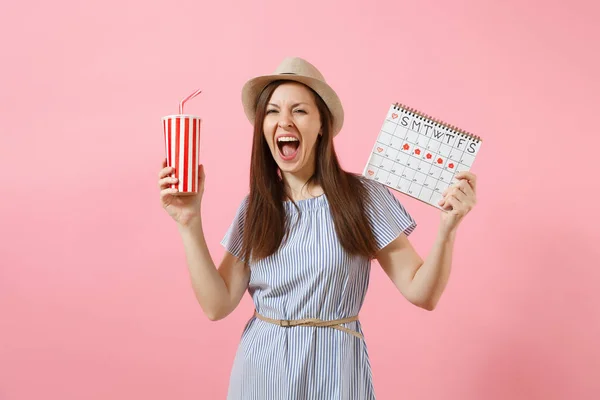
point(288, 147)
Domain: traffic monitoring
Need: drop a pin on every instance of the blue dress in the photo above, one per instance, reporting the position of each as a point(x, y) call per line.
point(310, 276)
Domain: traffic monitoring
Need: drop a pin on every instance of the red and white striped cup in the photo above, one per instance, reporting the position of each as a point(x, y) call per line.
point(182, 148)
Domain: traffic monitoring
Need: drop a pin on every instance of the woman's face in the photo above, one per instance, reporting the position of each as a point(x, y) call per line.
point(291, 126)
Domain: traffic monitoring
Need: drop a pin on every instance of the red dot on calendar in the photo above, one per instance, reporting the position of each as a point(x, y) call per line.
point(418, 151)
point(439, 161)
point(429, 156)
point(379, 149)
point(406, 146)
point(394, 116)
point(450, 165)
point(370, 172)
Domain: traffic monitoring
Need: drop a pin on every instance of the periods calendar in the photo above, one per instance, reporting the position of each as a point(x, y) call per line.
point(418, 155)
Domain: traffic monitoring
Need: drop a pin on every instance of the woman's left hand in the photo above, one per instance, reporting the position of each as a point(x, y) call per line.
point(458, 200)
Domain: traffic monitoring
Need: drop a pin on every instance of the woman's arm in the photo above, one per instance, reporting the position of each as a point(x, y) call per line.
point(218, 291)
point(423, 282)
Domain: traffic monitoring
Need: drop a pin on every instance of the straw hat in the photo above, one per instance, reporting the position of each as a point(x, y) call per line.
point(298, 70)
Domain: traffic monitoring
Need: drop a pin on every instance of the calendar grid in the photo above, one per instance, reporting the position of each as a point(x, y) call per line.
point(419, 162)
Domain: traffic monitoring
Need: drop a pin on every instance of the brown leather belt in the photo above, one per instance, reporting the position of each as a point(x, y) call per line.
point(335, 324)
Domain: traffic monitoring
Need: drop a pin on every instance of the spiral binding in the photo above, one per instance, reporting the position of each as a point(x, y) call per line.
point(438, 123)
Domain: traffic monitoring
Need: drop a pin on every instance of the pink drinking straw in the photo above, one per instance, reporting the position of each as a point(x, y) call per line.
point(191, 96)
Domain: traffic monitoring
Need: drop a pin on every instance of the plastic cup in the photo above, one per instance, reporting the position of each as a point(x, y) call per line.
point(182, 150)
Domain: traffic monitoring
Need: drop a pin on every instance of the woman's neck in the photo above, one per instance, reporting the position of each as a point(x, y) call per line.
point(295, 185)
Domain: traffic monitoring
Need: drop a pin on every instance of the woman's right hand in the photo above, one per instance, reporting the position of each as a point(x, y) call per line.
point(183, 209)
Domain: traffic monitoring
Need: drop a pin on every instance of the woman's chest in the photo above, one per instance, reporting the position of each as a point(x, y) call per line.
point(310, 254)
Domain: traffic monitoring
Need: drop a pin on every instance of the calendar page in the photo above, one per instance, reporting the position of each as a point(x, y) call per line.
point(418, 155)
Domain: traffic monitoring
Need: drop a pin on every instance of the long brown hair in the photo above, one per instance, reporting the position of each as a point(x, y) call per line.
point(266, 223)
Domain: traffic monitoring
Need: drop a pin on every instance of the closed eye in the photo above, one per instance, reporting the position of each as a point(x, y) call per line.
point(269, 111)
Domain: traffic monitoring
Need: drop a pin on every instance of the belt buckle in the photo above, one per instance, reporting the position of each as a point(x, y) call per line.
point(286, 323)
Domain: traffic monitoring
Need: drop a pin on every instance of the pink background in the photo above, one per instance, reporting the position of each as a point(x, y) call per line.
point(95, 298)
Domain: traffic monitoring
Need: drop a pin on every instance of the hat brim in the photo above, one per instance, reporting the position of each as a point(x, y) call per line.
point(252, 89)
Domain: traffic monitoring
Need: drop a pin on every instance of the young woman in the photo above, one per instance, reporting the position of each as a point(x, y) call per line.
point(301, 244)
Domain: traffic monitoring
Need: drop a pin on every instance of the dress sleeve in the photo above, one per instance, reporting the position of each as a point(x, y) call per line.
point(387, 215)
point(232, 241)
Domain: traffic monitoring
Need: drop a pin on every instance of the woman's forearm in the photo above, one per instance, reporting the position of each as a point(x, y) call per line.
point(209, 287)
point(431, 278)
